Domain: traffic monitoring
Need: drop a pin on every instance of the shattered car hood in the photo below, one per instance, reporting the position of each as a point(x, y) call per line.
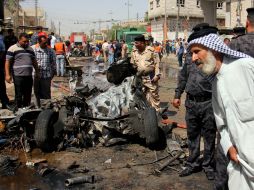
point(114, 102)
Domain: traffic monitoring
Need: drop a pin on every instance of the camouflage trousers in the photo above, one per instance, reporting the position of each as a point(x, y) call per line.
point(200, 122)
point(105, 56)
point(152, 93)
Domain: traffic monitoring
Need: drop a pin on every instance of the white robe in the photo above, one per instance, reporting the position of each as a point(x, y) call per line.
point(233, 104)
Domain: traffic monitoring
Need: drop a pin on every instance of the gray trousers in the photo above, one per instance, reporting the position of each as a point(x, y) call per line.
point(200, 122)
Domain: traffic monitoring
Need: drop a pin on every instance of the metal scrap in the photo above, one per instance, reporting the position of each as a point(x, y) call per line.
point(164, 165)
point(79, 180)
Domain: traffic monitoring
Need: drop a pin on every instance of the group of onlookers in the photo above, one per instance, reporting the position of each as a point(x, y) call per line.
point(177, 47)
point(30, 61)
point(112, 51)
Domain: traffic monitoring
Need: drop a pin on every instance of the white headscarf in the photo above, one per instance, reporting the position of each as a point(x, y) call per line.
point(213, 41)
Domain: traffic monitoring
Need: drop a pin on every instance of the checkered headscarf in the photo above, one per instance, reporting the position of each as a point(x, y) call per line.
point(213, 41)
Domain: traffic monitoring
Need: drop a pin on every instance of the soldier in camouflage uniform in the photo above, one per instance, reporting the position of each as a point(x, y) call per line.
point(147, 64)
point(243, 43)
point(199, 117)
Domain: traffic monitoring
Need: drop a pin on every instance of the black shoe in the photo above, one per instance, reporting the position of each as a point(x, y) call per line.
point(188, 171)
point(210, 175)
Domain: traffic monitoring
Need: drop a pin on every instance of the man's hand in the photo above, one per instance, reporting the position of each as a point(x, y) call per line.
point(232, 153)
point(155, 79)
point(176, 103)
point(8, 78)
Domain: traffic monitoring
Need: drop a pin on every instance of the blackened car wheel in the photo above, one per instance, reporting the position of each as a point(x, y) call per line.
point(44, 130)
point(151, 126)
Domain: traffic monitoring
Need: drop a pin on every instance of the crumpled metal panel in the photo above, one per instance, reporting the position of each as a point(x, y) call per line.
point(97, 81)
point(114, 101)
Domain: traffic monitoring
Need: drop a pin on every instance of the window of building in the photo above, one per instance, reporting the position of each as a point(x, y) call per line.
point(151, 5)
point(180, 2)
point(198, 3)
point(157, 3)
point(219, 5)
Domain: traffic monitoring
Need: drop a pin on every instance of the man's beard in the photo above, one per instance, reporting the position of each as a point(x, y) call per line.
point(209, 64)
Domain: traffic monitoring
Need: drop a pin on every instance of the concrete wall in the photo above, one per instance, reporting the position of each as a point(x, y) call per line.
point(189, 16)
point(232, 14)
point(189, 10)
point(30, 17)
point(26, 17)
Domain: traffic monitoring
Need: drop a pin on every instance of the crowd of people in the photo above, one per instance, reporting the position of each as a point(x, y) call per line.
point(111, 51)
point(176, 47)
point(30, 61)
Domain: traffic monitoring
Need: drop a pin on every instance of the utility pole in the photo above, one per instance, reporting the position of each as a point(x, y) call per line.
point(36, 12)
point(46, 16)
point(110, 12)
point(2, 11)
point(59, 28)
point(128, 5)
point(137, 19)
point(111, 24)
point(177, 20)
point(165, 21)
point(17, 18)
point(23, 20)
point(100, 26)
point(238, 13)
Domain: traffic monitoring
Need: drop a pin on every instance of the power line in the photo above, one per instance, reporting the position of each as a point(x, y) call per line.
point(36, 12)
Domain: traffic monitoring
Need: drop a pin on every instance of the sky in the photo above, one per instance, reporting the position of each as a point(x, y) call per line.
point(69, 12)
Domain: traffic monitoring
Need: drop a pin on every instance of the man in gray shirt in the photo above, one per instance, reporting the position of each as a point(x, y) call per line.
point(20, 61)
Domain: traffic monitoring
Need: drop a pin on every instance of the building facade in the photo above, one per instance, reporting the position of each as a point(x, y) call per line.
point(236, 12)
point(180, 17)
point(26, 16)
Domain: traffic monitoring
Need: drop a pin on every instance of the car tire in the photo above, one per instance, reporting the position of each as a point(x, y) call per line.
point(151, 126)
point(44, 130)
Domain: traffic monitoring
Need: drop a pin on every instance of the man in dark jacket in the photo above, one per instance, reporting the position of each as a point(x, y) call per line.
point(10, 39)
point(199, 116)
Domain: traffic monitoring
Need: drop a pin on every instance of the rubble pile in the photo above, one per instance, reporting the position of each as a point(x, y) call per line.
point(96, 112)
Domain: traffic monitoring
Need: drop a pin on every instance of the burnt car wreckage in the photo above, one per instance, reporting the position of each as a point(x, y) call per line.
point(96, 113)
point(93, 116)
point(104, 110)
